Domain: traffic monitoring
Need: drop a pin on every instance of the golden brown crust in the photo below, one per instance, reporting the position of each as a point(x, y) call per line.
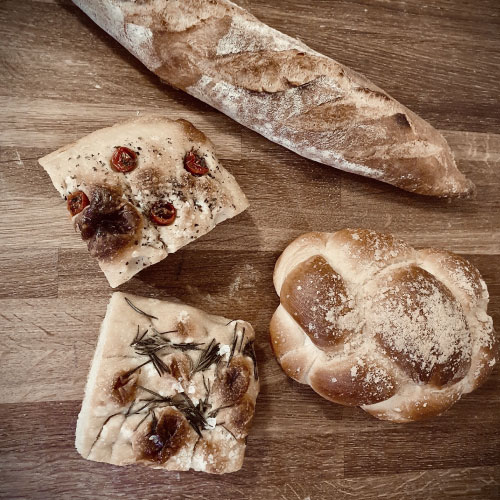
point(109, 225)
point(124, 387)
point(409, 292)
point(194, 135)
point(232, 381)
point(483, 362)
point(366, 252)
point(419, 336)
point(161, 438)
point(413, 407)
point(312, 288)
point(238, 417)
point(281, 88)
point(370, 383)
point(456, 273)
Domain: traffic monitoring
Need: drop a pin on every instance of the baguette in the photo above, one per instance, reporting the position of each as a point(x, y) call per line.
point(282, 89)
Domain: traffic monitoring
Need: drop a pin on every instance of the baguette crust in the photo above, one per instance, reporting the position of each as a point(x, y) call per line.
point(282, 89)
point(366, 320)
point(149, 401)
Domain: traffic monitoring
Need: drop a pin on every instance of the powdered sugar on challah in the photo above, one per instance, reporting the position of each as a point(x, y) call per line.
point(417, 331)
point(421, 323)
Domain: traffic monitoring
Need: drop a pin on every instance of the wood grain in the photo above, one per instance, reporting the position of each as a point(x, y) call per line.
point(63, 77)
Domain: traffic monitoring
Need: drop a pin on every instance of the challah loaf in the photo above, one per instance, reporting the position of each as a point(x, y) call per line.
point(282, 89)
point(366, 320)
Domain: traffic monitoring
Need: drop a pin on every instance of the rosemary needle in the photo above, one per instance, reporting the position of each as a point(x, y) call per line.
point(136, 309)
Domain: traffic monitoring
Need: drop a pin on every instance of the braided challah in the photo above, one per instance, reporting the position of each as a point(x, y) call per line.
point(366, 320)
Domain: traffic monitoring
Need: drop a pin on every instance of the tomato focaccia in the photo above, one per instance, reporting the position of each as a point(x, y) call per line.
point(142, 189)
point(170, 386)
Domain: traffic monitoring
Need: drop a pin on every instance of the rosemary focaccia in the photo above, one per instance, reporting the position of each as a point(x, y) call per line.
point(170, 386)
point(142, 189)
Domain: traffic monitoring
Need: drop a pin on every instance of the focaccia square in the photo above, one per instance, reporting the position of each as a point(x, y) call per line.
point(142, 189)
point(170, 386)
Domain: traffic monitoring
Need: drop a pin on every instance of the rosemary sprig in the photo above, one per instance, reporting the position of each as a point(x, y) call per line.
point(153, 402)
point(224, 427)
point(208, 356)
point(136, 368)
point(153, 343)
point(249, 351)
point(163, 333)
point(137, 310)
point(183, 403)
point(143, 407)
point(154, 423)
point(203, 404)
point(158, 397)
point(214, 412)
point(138, 337)
point(130, 408)
point(233, 345)
point(192, 413)
point(101, 429)
point(183, 346)
point(206, 386)
point(236, 337)
point(159, 364)
point(242, 338)
point(149, 347)
point(142, 420)
point(188, 346)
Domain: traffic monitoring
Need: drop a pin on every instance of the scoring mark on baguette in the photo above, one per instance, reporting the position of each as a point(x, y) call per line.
point(402, 120)
point(374, 93)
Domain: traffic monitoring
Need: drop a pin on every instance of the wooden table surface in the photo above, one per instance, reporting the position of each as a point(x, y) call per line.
point(62, 77)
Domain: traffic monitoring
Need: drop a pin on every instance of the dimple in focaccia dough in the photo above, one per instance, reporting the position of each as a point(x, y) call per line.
point(161, 144)
point(170, 387)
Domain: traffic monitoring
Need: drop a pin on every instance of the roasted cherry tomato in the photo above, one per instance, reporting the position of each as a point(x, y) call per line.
point(163, 213)
point(194, 164)
point(77, 201)
point(124, 159)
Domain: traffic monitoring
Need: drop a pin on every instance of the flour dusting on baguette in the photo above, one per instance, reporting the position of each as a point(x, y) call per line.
point(282, 89)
